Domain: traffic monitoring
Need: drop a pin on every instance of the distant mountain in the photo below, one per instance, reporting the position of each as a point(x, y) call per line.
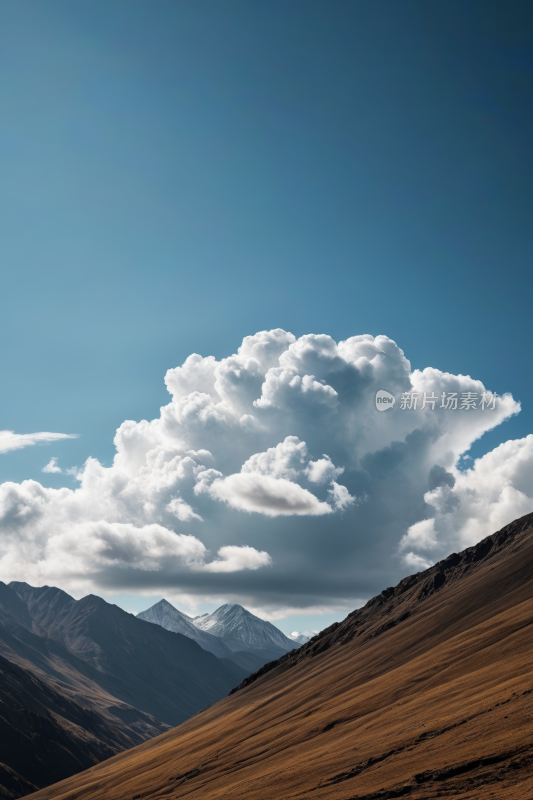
point(82, 680)
point(170, 618)
point(303, 637)
point(241, 630)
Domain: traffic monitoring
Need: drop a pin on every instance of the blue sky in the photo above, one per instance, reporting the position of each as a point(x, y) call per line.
point(176, 176)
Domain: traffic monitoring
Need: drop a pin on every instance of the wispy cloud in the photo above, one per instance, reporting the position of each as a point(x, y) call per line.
point(17, 441)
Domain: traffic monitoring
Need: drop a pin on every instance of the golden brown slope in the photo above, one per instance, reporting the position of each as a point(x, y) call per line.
point(439, 705)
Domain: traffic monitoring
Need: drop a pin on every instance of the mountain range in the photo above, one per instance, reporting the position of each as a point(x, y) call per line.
point(82, 680)
point(170, 618)
point(241, 630)
point(229, 632)
point(425, 692)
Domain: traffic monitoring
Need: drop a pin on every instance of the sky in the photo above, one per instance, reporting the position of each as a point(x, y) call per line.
point(177, 177)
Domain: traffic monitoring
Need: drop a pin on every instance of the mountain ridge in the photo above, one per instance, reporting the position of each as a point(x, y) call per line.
point(242, 630)
point(167, 616)
point(397, 603)
point(80, 677)
point(106, 636)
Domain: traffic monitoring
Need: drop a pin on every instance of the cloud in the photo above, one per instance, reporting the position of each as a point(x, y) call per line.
point(421, 535)
point(182, 510)
point(495, 490)
point(234, 559)
point(52, 466)
point(416, 563)
point(267, 483)
point(276, 460)
point(267, 495)
point(323, 470)
point(79, 550)
point(17, 441)
point(340, 496)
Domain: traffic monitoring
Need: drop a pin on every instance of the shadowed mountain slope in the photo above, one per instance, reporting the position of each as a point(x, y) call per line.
point(55, 719)
point(248, 661)
point(164, 614)
point(45, 735)
point(83, 680)
point(24, 643)
point(425, 692)
point(159, 672)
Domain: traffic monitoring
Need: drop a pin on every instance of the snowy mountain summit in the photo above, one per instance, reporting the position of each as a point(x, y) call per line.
point(303, 637)
point(230, 629)
point(170, 618)
point(242, 630)
point(164, 612)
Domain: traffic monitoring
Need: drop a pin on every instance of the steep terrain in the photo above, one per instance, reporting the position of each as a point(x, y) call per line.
point(45, 735)
point(425, 692)
point(55, 718)
point(159, 672)
point(83, 680)
point(24, 643)
point(241, 630)
point(164, 614)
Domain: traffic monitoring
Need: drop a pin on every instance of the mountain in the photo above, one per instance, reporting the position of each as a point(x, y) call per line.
point(181, 680)
point(251, 662)
point(303, 637)
point(82, 680)
point(425, 692)
point(241, 630)
point(46, 735)
point(229, 632)
point(55, 717)
point(164, 614)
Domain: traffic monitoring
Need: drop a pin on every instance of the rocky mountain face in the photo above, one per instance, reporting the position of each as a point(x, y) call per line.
point(81, 680)
point(164, 614)
point(241, 630)
point(424, 693)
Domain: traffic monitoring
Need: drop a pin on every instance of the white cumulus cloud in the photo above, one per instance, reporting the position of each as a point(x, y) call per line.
point(277, 460)
point(495, 490)
point(416, 563)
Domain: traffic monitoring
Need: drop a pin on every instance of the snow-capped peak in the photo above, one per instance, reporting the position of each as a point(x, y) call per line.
point(303, 637)
point(242, 630)
point(170, 618)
